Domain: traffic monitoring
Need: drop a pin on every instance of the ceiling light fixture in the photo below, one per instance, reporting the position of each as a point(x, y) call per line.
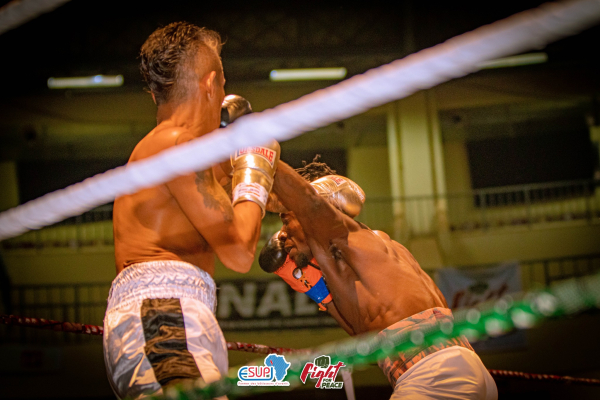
point(86, 82)
point(308, 74)
point(515, 61)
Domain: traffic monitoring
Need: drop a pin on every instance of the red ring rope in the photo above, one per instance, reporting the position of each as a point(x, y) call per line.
point(543, 377)
point(58, 326)
point(42, 323)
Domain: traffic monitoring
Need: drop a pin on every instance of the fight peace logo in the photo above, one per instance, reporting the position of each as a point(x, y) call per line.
point(325, 373)
point(271, 374)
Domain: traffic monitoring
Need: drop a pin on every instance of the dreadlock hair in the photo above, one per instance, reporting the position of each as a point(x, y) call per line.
point(314, 170)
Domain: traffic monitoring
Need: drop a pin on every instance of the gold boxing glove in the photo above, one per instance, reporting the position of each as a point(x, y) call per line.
point(341, 192)
point(253, 171)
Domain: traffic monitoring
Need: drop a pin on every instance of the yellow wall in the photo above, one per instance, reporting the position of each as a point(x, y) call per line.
point(520, 243)
point(368, 167)
point(48, 266)
point(458, 177)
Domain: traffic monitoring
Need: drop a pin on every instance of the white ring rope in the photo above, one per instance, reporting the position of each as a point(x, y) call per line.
point(454, 58)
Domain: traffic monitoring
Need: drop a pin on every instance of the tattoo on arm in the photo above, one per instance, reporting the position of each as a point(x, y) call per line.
point(228, 188)
point(214, 198)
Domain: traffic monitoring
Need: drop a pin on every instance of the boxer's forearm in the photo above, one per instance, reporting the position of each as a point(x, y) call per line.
point(293, 191)
point(317, 217)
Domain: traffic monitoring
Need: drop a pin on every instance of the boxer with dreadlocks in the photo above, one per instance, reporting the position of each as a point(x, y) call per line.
point(376, 285)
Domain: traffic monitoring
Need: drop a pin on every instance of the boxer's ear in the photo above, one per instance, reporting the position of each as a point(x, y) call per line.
point(209, 81)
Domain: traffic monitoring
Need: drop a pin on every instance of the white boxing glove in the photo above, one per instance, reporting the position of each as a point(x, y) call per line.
point(341, 192)
point(253, 172)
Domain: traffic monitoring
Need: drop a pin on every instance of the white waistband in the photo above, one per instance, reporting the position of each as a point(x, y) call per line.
point(162, 279)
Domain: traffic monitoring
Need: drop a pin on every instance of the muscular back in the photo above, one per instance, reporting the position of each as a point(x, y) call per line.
point(150, 224)
point(375, 281)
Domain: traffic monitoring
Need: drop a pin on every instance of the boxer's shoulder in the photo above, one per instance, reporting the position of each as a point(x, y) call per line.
point(365, 240)
point(160, 138)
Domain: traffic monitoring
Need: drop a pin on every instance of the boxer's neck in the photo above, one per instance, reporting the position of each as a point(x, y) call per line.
point(190, 115)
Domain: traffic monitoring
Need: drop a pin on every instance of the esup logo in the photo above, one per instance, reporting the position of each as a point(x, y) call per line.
point(271, 374)
point(325, 373)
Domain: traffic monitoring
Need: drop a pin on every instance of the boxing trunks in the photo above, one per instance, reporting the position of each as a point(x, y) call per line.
point(160, 329)
point(447, 370)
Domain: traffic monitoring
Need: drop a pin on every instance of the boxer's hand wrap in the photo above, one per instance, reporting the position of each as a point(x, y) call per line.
point(253, 171)
point(274, 205)
point(308, 280)
point(341, 192)
point(233, 107)
point(273, 255)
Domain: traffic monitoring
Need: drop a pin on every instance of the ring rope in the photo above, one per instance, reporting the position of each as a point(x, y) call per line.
point(489, 319)
point(53, 325)
point(97, 330)
point(498, 373)
point(454, 58)
point(255, 348)
point(263, 349)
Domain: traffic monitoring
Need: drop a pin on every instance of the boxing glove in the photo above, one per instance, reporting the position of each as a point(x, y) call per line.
point(341, 192)
point(308, 280)
point(253, 172)
point(273, 255)
point(233, 107)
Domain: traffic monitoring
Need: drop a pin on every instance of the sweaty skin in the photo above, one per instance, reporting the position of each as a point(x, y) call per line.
point(189, 218)
point(374, 281)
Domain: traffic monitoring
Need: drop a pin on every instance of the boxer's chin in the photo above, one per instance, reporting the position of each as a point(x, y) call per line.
point(301, 260)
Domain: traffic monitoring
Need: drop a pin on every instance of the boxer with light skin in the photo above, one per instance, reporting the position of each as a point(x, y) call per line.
point(160, 327)
point(377, 285)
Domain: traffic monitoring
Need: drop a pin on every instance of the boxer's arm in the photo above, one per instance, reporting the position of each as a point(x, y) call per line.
point(333, 311)
point(232, 232)
point(320, 221)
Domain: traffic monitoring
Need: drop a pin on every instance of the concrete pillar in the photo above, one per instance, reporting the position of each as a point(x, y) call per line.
point(416, 167)
point(595, 139)
point(458, 182)
point(368, 167)
point(9, 186)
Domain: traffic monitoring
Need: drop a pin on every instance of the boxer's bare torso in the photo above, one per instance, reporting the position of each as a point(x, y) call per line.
point(374, 281)
point(189, 218)
point(151, 225)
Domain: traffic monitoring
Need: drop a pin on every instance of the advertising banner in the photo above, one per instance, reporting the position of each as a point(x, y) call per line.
point(266, 304)
point(465, 287)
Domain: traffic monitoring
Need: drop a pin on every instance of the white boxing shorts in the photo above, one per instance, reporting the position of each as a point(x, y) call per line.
point(451, 373)
point(160, 329)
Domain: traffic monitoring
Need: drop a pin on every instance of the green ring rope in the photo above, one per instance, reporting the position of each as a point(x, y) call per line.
point(488, 319)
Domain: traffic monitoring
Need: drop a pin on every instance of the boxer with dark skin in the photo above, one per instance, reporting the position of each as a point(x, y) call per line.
point(377, 285)
point(374, 281)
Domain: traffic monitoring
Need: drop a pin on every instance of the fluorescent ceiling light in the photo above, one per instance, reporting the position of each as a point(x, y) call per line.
point(86, 81)
point(515, 61)
point(307, 74)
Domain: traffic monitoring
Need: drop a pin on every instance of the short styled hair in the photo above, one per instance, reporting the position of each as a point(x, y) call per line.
point(175, 56)
point(314, 170)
